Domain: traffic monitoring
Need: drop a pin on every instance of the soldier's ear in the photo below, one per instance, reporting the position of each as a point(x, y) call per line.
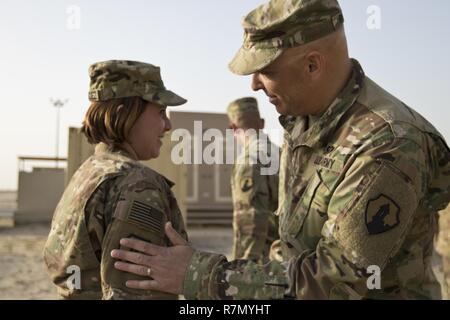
point(315, 61)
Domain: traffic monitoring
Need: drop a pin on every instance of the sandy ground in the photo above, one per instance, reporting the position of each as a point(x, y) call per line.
point(22, 272)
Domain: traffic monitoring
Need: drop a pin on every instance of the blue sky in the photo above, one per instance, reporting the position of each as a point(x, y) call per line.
point(192, 41)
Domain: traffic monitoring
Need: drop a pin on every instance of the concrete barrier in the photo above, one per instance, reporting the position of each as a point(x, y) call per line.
point(38, 194)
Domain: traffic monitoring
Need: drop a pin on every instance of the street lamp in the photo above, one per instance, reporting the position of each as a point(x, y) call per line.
point(58, 104)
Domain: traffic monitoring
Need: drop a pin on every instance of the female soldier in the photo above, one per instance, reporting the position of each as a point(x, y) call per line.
point(112, 195)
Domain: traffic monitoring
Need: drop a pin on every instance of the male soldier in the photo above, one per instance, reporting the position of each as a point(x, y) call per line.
point(255, 195)
point(362, 176)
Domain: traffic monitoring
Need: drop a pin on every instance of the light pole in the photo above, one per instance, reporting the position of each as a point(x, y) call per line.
point(58, 104)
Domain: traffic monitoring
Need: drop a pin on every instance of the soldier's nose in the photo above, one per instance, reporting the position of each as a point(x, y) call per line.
point(256, 83)
point(168, 125)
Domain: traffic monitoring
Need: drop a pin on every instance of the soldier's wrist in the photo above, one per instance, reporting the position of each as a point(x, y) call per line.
point(198, 275)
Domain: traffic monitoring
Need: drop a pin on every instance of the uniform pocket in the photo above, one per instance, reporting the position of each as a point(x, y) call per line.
point(300, 212)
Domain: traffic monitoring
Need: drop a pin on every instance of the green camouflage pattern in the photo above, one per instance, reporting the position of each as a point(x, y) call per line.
point(211, 276)
point(110, 197)
point(122, 79)
point(255, 199)
point(282, 24)
point(443, 248)
point(359, 187)
point(240, 108)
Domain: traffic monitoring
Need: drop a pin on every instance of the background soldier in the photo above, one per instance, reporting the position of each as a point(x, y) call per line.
point(255, 196)
point(362, 176)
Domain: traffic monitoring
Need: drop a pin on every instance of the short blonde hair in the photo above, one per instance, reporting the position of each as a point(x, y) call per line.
point(110, 121)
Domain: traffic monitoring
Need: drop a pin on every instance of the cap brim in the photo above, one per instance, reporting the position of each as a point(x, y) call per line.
point(248, 61)
point(165, 98)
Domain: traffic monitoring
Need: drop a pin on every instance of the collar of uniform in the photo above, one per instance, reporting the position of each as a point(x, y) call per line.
point(293, 125)
point(169, 182)
point(323, 127)
point(114, 151)
point(103, 148)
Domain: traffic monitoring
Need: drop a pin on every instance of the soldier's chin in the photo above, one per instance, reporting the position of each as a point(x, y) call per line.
point(281, 110)
point(152, 154)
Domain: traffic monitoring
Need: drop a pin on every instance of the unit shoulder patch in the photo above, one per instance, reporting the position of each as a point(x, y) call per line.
point(382, 214)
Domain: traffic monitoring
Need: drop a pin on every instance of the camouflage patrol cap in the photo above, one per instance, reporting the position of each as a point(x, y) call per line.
point(122, 79)
point(242, 107)
point(282, 24)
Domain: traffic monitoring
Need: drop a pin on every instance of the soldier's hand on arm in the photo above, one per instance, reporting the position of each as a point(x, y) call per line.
point(143, 208)
point(166, 265)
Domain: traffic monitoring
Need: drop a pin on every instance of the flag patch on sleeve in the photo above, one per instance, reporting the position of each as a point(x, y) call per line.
point(146, 216)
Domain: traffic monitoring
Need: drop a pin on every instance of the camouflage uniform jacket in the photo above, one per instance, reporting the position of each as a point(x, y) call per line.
point(110, 197)
point(255, 198)
point(359, 189)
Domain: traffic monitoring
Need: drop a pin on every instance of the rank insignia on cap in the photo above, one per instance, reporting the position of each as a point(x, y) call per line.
point(93, 95)
point(382, 215)
point(247, 184)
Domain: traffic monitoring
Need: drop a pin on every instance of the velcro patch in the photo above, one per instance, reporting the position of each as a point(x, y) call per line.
point(146, 216)
point(372, 227)
point(94, 95)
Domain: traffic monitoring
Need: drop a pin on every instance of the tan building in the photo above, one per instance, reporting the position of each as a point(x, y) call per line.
point(208, 185)
point(39, 190)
